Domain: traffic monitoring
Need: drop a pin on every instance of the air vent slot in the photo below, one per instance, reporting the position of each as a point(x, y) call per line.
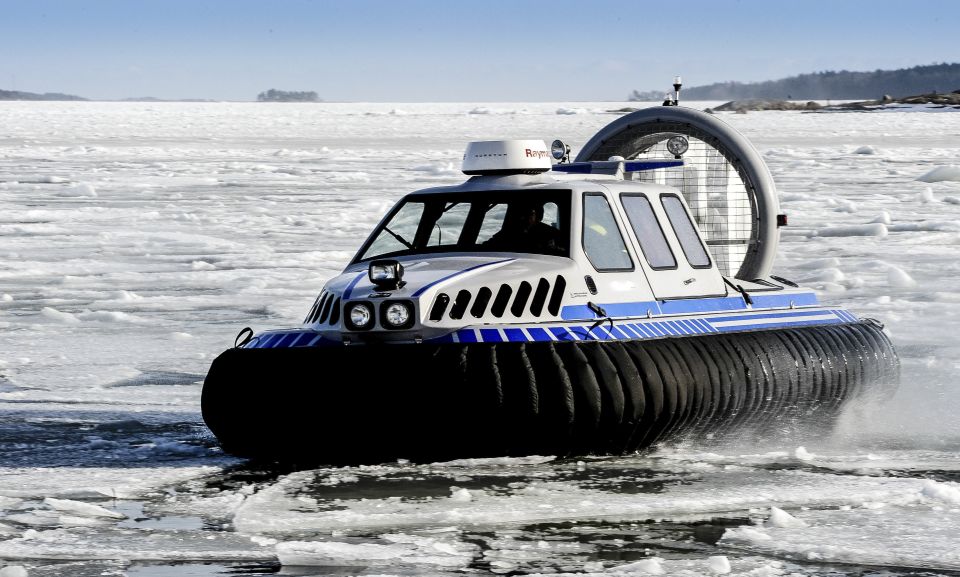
point(460, 304)
point(313, 310)
point(324, 296)
point(335, 312)
point(556, 298)
point(591, 286)
point(480, 303)
point(503, 299)
point(439, 307)
point(540, 297)
point(520, 303)
point(325, 308)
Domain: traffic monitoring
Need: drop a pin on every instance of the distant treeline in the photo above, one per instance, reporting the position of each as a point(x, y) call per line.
point(842, 85)
point(17, 95)
point(274, 95)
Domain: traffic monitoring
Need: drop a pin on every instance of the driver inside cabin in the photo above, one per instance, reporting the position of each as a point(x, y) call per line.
point(524, 231)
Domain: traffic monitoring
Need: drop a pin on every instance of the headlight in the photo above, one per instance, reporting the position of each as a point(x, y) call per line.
point(359, 316)
point(396, 314)
point(677, 145)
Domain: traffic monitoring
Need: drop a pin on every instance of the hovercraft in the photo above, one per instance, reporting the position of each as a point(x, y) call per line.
point(544, 306)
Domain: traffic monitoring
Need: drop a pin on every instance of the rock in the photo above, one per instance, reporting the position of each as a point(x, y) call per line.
point(752, 104)
point(887, 101)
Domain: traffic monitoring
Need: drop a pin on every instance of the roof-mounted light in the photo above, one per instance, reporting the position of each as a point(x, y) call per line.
point(678, 145)
point(560, 151)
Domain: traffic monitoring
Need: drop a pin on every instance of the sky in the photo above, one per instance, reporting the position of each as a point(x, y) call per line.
point(449, 50)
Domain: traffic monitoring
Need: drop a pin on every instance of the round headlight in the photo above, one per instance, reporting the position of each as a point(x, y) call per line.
point(361, 316)
point(677, 145)
point(397, 314)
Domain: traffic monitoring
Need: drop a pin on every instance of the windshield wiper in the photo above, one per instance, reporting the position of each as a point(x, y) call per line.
point(398, 237)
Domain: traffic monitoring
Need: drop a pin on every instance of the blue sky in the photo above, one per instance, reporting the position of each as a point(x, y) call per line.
point(451, 51)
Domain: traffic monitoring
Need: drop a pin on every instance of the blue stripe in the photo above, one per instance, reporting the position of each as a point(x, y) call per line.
point(353, 283)
point(635, 309)
point(783, 301)
point(618, 333)
point(515, 335)
point(466, 336)
point(663, 328)
point(650, 328)
point(710, 328)
point(643, 330)
point(847, 316)
point(444, 339)
point(604, 333)
point(640, 165)
point(303, 337)
point(582, 333)
point(285, 341)
point(421, 290)
point(686, 306)
point(268, 342)
point(560, 332)
point(631, 329)
point(680, 329)
point(490, 336)
point(629, 166)
point(539, 334)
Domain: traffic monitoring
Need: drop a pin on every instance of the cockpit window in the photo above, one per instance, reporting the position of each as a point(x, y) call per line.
point(535, 222)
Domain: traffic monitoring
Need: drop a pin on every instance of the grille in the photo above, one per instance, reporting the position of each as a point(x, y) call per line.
point(547, 294)
point(320, 309)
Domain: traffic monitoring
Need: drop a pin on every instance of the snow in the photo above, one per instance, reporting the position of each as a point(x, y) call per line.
point(719, 564)
point(780, 518)
point(82, 509)
point(652, 566)
point(941, 174)
point(872, 229)
point(152, 233)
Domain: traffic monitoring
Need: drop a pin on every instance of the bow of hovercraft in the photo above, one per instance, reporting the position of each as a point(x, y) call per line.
point(598, 306)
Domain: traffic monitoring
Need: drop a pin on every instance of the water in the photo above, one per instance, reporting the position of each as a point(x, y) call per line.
point(138, 239)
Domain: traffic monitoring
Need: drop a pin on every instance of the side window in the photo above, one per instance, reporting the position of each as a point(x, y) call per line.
point(645, 225)
point(447, 229)
point(602, 242)
point(686, 233)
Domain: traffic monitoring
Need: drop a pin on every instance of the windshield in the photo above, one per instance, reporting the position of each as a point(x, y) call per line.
point(536, 222)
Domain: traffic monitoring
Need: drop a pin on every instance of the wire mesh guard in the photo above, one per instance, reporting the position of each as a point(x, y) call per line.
point(710, 182)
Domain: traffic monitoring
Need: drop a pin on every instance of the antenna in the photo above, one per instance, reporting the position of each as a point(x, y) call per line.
point(675, 100)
